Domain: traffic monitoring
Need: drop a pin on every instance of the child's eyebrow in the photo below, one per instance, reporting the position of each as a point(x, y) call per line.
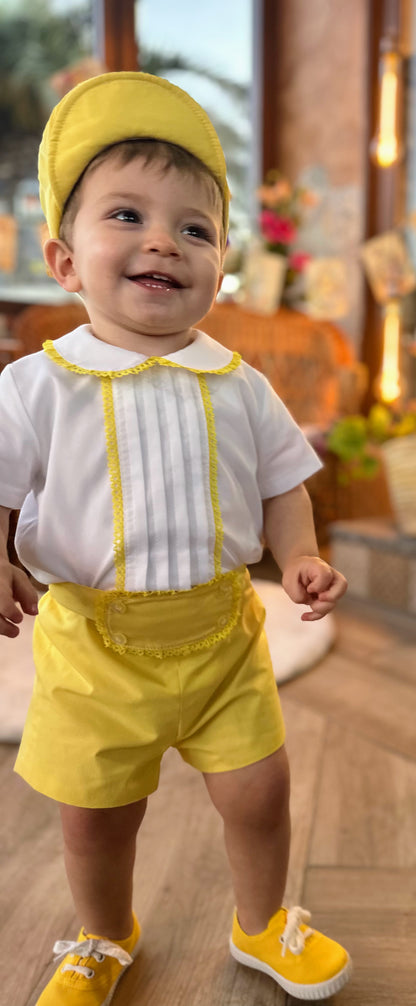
point(119, 195)
point(132, 196)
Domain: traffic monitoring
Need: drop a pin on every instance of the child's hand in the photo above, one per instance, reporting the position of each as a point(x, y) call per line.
point(310, 580)
point(15, 586)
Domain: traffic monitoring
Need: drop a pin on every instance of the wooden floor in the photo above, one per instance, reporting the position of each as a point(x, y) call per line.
point(352, 741)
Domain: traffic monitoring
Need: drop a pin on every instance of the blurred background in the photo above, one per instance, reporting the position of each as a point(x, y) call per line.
point(314, 103)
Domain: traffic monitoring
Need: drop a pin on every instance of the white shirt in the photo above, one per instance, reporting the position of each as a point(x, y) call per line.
point(142, 473)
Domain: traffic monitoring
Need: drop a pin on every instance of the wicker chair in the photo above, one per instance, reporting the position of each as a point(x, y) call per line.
point(39, 322)
point(309, 363)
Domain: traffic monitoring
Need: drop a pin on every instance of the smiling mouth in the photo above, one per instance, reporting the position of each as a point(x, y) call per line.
point(156, 281)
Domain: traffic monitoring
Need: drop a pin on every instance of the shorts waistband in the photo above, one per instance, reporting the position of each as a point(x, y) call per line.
point(160, 623)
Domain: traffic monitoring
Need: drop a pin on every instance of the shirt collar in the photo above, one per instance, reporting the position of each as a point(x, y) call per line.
point(81, 348)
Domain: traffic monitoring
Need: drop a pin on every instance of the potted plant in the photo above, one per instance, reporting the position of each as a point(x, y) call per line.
point(385, 438)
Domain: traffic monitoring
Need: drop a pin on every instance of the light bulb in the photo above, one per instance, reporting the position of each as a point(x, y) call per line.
point(389, 384)
point(385, 148)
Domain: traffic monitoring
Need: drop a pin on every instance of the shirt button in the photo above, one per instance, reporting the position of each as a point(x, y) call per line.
point(222, 622)
point(117, 608)
point(119, 638)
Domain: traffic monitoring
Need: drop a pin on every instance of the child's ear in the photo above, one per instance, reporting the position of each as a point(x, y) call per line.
point(60, 261)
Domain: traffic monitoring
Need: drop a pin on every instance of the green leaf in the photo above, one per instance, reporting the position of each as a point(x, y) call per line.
point(368, 467)
point(348, 437)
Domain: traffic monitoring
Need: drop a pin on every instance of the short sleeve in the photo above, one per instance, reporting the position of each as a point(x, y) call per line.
point(286, 458)
point(19, 450)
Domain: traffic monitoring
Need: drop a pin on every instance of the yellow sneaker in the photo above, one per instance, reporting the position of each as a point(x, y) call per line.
point(304, 962)
point(90, 970)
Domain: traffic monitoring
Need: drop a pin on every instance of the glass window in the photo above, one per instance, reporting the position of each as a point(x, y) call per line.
point(207, 49)
point(45, 47)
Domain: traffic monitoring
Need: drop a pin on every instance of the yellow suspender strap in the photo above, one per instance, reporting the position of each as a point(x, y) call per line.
point(115, 481)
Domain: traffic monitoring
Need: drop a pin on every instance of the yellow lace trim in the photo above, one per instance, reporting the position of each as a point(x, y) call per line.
point(213, 467)
point(222, 629)
point(56, 357)
point(115, 482)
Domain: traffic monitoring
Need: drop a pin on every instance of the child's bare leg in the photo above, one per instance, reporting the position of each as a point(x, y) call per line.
point(254, 805)
point(100, 848)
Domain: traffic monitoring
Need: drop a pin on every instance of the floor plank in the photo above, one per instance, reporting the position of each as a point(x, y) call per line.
point(365, 806)
point(35, 904)
point(373, 913)
point(382, 709)
point(397, 660)
point(305, 766)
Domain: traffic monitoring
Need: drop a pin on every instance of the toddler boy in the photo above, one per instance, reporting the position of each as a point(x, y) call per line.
point(148, 462)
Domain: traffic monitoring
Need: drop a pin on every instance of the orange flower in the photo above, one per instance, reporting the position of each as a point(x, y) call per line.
point(308, 198)
point(270, 195)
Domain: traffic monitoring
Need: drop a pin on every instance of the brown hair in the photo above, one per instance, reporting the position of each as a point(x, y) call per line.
point(168, 155)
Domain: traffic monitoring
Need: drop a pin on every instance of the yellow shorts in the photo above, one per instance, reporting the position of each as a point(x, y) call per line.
point(122, 677)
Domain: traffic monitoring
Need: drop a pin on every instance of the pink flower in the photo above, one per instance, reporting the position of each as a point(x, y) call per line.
point(298, 261)
point(277, 230)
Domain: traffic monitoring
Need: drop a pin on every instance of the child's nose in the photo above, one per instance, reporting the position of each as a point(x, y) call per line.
point(159, 239)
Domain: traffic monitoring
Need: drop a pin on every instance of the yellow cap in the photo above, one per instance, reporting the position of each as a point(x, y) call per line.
point(111, 108)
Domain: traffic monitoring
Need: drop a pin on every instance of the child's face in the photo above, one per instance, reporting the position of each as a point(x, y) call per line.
point(146, 254)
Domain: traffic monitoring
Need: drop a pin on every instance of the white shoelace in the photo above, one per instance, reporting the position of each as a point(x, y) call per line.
point(97, 949)
point(293, 938)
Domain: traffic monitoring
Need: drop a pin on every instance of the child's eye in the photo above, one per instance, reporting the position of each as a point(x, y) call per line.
point(198, 231)
point(127, 216)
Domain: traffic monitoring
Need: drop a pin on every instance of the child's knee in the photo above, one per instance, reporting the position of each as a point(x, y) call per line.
point(257, 795)
point(267, 799)
point(85, 828)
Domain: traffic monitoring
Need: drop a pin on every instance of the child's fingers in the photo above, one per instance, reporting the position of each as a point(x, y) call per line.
point(315, 583)
point(329, 585)
point(297, 593)
point(8, 609)
point(299, 584)
point(322, 580)
point(9, 613)
point(25, 593)
point(313, 616)
point(8, 628)
point(15, 589)
point(335, 591)
point(319, 609)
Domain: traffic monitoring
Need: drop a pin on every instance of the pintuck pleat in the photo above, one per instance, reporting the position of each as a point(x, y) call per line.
point(164, 465)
